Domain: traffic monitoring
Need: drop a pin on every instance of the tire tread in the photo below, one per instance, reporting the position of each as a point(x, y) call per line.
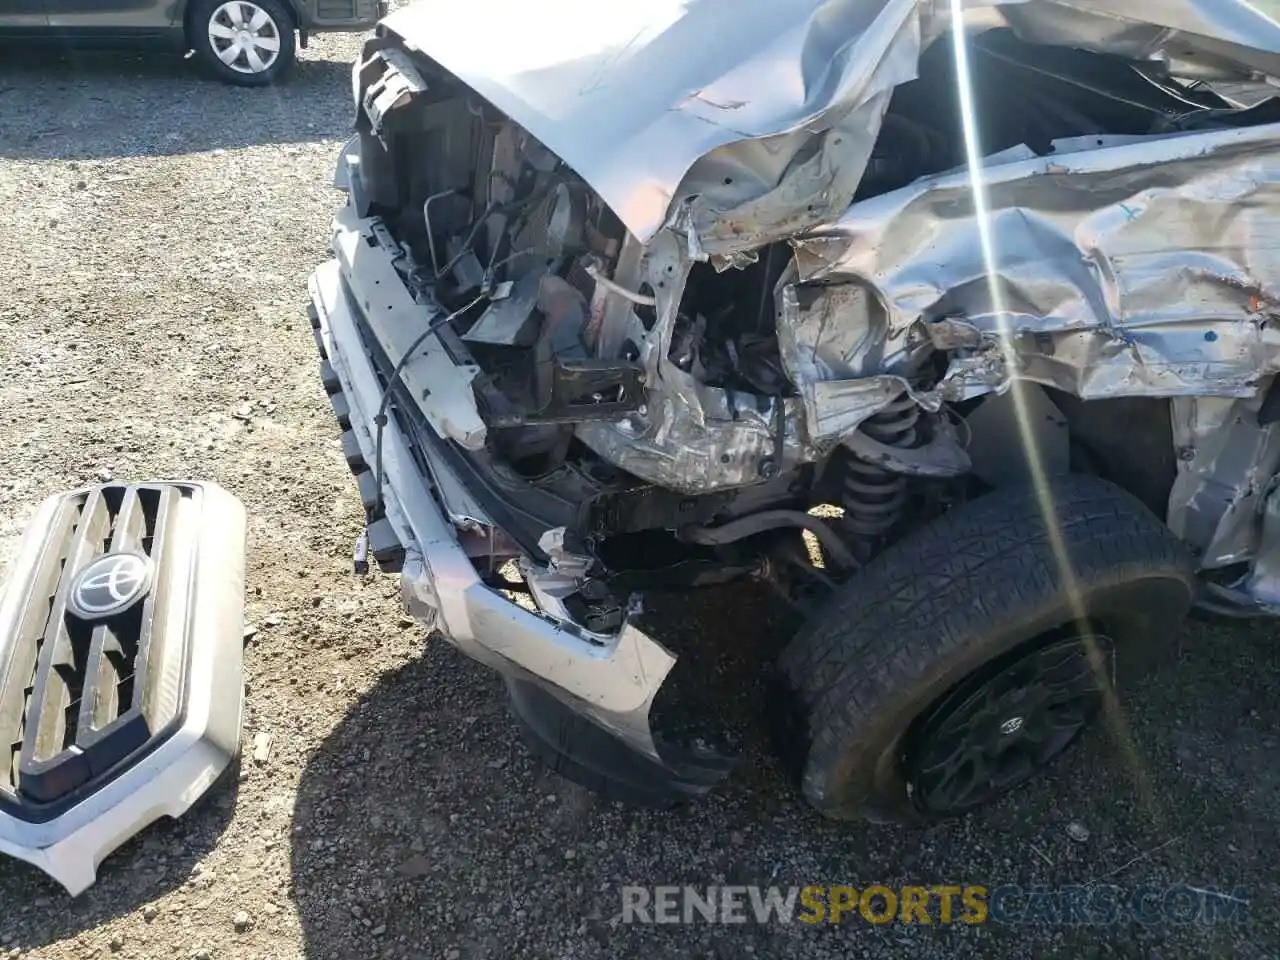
point(931, 596)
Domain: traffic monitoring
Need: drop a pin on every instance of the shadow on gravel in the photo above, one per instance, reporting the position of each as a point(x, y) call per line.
point(36, 912)
point(424, 829)
point(81, 105)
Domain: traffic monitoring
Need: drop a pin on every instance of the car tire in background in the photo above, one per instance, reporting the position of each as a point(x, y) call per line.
point(249, 43)
point(966, 657)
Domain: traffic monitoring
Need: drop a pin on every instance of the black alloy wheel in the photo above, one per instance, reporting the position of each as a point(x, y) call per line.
point(1007, 721)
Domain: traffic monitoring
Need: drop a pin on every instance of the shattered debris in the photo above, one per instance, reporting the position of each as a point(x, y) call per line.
point(261, 746)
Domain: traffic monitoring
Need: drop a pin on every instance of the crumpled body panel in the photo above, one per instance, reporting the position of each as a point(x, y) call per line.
point(1145, 269)
point(1130, 264)
point(632, 95)
point(747, 121)
point(1197, 38)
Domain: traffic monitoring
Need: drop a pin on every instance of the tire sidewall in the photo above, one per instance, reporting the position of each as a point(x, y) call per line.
point(1132, 610)
point(200, 40)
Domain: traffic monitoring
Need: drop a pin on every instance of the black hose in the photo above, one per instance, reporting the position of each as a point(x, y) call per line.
point(773, 520)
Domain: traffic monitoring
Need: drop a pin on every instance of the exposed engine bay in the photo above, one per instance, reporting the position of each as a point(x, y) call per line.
point(816, 327)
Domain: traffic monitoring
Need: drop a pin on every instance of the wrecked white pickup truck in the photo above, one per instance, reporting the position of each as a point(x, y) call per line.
point(961, 334)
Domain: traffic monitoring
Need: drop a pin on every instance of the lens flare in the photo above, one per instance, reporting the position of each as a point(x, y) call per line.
point(1031, 449)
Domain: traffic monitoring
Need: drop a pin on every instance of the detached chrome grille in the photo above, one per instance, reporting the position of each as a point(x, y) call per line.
point(87, 685)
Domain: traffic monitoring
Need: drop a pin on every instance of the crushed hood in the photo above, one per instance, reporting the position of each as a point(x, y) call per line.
point(745, 121)
point(632, 94)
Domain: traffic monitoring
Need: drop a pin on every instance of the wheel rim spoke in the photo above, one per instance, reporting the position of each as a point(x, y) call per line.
point(1014, 766)
point(944, 760)
point(1066, 715)
point(244, 37)
point(1074, 673)
point(953, 788)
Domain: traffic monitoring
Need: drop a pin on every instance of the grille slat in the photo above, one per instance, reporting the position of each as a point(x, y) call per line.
point(44, 775)
point(118, 718)
point(100, 706)
point(100, 703)
point(130, 523)
point(76, 693)
point(17, 676)
point(162, 508)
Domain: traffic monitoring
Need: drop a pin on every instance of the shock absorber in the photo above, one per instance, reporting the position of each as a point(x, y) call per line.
point(873, 497)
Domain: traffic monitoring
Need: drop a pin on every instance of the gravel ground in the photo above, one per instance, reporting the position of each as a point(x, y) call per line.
point(157, 234)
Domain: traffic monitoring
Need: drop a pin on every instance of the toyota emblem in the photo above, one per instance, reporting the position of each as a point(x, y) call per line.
point(110, 586)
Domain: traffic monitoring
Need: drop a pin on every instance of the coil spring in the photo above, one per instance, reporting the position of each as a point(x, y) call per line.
point(873, 497)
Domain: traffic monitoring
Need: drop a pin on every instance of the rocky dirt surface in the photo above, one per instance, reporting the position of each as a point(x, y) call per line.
point(157, 231)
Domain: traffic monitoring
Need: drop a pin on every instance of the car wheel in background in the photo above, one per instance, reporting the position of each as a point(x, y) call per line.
point(246, 42)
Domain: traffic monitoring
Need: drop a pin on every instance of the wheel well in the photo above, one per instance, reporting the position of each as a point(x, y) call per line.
point(1140, 458)
point(189, 11)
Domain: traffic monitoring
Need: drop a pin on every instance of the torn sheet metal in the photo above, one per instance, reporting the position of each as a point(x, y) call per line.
point(1263, 584)
point(1206, 39)
point(690, 436)
point(704, 449)
point(753, 133)
point(1148, 269)
point(1143, 267)
point(633, 95)
point(693, 437)
point(1226, 466)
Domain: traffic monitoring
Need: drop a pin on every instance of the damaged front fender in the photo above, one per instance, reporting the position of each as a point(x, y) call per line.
point(1145, 269)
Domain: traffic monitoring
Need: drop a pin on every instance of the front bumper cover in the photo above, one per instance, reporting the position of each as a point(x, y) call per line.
point(613, 680)
point(116, 719)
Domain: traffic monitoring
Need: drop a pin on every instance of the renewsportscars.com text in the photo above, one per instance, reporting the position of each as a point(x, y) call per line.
point(1080, 905)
